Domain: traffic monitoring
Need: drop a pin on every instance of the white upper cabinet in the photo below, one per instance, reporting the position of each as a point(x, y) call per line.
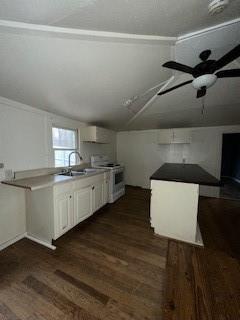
point(95, 134)
point(169, 136)
point(182, 136)
point(165, 136)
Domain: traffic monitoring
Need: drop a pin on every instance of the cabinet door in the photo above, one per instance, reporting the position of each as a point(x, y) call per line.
point(103, 135)
point(165, 136)
point(82, 204)
point(181, 136)
point(106, 191)
point(97, 196)
point(64, 210)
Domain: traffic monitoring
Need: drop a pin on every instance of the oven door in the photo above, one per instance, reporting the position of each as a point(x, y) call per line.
point(117, 180)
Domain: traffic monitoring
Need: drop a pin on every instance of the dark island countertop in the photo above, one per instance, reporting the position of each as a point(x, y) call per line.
point(187, 173)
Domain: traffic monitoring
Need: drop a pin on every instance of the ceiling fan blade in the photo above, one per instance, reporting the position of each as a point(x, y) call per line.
point(178, 66)
point(175, 87)
point(228, 73)
point(201, 92)
point(227, 58)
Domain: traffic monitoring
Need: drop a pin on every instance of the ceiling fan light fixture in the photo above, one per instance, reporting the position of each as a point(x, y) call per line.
point(206, 80)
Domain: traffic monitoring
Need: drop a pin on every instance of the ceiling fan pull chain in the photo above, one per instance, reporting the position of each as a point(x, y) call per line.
point(203, 105)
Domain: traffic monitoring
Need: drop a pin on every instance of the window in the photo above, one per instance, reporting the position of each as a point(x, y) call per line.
point(64, 142)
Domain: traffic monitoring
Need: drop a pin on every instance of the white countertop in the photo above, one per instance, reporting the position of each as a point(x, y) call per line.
point(40, 182)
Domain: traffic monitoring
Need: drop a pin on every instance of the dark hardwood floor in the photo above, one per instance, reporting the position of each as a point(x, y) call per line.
point(204, 283)
point(113, 267)
point(110, 267)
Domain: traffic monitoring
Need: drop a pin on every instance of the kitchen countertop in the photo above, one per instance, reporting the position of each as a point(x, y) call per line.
point(40, 182)
point(187, 173)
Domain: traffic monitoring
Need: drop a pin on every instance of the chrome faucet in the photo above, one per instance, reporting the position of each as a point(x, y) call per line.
point(69, 158)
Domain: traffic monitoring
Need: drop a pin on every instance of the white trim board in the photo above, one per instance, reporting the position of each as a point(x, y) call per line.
point(205, 30)
point(22, 236)
point(84, 34)
point(43, 243)
point(16, 26)
point(12, 241)
point(163, 85)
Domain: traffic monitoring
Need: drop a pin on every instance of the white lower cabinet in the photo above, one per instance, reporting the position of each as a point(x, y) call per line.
point(76, 201)
point(82, 204)
point(97, 196)
point(54, 210)
point(106, 191)
point(64, 213)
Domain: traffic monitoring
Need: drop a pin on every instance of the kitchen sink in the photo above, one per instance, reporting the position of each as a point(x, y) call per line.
point(81, 172)
point(72, 174)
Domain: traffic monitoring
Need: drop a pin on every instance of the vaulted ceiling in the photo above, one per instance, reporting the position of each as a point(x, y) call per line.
point(85, 59)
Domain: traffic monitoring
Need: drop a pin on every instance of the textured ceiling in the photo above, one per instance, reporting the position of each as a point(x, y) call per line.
point(85, 80)
point(90, 79)
point(180, 108)
point(150, 17)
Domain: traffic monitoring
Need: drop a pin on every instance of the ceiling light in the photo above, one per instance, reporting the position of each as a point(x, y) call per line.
point(206, 80)
point(217, 6)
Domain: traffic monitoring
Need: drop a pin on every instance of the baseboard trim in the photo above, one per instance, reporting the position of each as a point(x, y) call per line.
point(12, 241)
point(43, 243)
point(198, 242)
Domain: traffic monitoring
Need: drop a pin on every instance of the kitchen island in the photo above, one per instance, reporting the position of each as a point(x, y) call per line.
point(174, 200)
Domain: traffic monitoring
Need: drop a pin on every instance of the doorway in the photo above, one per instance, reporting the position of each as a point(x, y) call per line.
point(230, 170)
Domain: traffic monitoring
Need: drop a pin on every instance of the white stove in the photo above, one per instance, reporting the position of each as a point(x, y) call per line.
point(116, 184)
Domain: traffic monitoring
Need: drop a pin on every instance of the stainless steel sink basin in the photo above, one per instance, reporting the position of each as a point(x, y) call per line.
point(81, 172)
point(72, 174)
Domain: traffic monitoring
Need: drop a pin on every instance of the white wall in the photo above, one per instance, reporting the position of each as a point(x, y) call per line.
point(142, 156)
point(25, 143)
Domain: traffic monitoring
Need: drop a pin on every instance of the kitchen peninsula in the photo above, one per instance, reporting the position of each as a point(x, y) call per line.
point(56, 203)
point(174, 200)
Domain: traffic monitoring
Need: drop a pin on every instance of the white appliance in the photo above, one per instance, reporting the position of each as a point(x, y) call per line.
point(116, 183)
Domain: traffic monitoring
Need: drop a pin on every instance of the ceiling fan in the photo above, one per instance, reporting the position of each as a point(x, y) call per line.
point(204, 72)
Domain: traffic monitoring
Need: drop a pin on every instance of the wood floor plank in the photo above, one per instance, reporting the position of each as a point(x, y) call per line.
point(119, 288)
point(113, 267)
point(6, 313)
point(125, 249)
point(57, 299)
point(83, 286)
point(206, 284)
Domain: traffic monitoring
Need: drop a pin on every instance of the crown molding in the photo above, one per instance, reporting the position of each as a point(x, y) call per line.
point(14, 26)
point(205, 30)
point(73, 33)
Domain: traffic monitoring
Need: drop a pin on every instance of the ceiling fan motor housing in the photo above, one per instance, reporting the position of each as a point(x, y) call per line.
point(206, 80)
point(217, 6)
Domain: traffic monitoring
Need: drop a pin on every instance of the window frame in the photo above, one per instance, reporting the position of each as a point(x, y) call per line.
point(75, 130)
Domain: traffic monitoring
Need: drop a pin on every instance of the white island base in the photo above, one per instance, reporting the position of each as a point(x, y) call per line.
point(174, 210)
